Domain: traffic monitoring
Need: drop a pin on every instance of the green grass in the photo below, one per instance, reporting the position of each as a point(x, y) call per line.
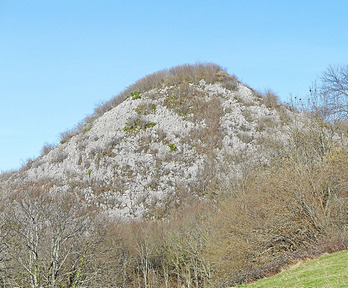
point(326, 271)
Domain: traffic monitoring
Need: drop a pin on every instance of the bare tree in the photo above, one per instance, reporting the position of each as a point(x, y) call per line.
point(329, 99)
point(47, 238)
point(21, 235)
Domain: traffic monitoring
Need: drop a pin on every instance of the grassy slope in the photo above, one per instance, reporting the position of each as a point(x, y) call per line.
point(326, 271)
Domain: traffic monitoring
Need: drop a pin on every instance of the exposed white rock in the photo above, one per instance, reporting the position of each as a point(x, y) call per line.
point(141, 151)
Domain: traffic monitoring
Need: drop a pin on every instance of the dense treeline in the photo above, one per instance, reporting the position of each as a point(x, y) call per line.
point(294, 207)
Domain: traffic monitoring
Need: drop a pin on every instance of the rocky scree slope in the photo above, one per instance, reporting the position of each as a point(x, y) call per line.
point(194, 137)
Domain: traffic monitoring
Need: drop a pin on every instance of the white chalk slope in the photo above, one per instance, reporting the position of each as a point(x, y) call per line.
point(193, 138)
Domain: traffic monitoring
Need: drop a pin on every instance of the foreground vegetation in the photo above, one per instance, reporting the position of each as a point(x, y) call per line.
point(327, 271)
point(294, 207)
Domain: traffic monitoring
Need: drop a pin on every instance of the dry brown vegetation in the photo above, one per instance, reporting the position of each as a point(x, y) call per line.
point(292, 208)
point(281, 213)
point(178, 75)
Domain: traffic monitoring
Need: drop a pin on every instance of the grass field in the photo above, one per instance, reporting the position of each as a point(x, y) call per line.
point(329, 271)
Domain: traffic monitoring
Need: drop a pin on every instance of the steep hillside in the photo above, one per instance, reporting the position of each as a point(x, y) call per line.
point(242, 186)
point(187, 134)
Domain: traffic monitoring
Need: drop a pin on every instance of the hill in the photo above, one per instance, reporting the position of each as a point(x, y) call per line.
point(189, 129)
point(188, 178)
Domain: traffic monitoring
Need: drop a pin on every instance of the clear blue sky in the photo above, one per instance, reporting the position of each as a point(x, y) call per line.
point(59, 59)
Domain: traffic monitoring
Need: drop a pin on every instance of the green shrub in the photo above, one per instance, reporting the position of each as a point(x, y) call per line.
point(131, 126)
point(138, 111)
point(150, 125)
point(172, 147)
point(135, 95)
point(145, 108)
point(138, 123)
